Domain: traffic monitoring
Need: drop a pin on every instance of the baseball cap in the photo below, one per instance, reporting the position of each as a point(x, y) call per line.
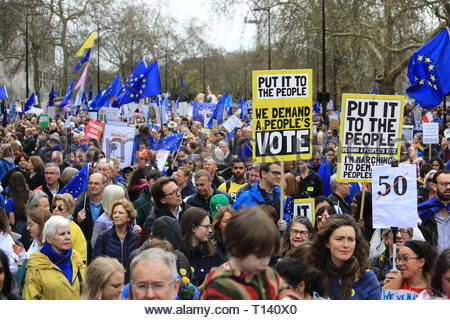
point(218, 201)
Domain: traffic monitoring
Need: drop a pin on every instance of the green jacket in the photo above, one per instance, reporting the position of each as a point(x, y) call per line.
point(143, 206)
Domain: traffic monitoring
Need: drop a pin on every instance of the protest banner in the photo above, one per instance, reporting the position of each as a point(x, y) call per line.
point(161, 158)
point(398, 295)
point(94, 130)
point(118, 142)
point(305, 208)
point(408, 133)
point(44, 120)
point(36, 111)
point(93, 115)
point(51, 112)
point(110, 114)
point(282, 117)
point(184, 109)
point(371, 132)
point(231, 123)
point(394, 196)
point(430, 132)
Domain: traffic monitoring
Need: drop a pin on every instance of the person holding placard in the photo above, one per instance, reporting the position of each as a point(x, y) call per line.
point(415, 262)
point(341, 253)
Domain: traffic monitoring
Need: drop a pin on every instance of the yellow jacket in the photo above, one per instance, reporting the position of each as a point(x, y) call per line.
point(79, 243)
point(45, 281)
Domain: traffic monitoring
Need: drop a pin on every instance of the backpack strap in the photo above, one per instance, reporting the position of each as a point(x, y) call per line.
point(228, 185)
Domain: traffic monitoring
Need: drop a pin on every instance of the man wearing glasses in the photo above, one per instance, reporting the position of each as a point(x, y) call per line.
point(339, 191)
point(52, 184)
point(435, 225)
point(264, 192)
point(154, 276)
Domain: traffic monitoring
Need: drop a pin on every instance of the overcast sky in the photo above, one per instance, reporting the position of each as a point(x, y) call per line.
point(229, 33)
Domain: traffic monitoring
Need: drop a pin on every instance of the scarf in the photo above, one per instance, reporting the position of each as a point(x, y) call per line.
point(61, 260)
point(428, 208)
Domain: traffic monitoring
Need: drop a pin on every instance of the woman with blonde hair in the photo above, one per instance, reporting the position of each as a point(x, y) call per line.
point(64, 205)
point(67, 174)
point(104, 280)
point(118, 241)
point(111, 194)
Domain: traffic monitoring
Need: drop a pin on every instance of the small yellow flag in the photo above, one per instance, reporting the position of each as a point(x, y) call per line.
point(89, 43)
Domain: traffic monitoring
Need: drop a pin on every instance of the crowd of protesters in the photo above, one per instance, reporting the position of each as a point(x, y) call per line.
point(208, 226)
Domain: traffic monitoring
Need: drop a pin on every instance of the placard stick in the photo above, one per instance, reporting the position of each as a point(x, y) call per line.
point(361, 208)
point(394, 247)
point(429, 149)
point(281, 192)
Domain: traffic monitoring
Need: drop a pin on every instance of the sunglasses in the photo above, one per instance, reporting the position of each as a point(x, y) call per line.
point(60, 208)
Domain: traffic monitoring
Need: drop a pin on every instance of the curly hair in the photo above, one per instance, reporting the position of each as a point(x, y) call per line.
point(424, 250)
point(286, 247)
point(350, 270)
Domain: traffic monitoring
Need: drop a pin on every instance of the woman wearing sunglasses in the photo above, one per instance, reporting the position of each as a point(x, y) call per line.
point(415, 261)
point(322, 216)
point(64, 205)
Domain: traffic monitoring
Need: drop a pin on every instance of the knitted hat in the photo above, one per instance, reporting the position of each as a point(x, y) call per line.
point(218, 201)
point(167, 228)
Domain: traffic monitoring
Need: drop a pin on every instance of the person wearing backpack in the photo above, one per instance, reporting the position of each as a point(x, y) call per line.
point(237, 181)
point(7, 160)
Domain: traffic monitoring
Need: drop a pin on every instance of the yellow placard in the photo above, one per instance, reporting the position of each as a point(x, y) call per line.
point(370, 134)
point(282, 115)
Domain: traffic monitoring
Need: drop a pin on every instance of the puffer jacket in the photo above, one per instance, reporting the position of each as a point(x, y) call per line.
point(108, 244)
point(45, 281)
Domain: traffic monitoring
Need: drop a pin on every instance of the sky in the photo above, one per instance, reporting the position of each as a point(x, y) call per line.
point(229, 33)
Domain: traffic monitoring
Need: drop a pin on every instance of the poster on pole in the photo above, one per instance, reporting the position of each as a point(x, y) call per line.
point(282, 115)
point(371, 134)
point(161, 158)
point(305, 208)
point(394, 196)
point(430, 132)
point(232, 123)
point(408, 133)
point(118, 142)
point(94, 130)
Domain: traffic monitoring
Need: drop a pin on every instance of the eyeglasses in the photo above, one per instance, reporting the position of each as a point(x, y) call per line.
point(92, 183)
point(402, 232)
point(295, 232)
point(156, 286)
point(60, 207)
point(276, 173)
point(175, 192)
point(320, 218)
point(206, 226)
point(405, 259)
point(444, 184)
point(50, 173)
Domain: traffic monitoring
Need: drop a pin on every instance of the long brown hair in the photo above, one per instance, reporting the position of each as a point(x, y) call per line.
point(193, 217)
point(19, 192)
point(350, 270)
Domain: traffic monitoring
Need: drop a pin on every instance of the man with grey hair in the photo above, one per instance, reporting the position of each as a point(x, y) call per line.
point(339, 191)
point(53, 183)
point(77, 144)
point(154, 276)
point(227, 156)
point(106, 167)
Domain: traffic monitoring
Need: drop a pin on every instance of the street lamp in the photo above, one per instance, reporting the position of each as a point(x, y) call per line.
point(267, 9)
point(98, 55)
point(27, 91)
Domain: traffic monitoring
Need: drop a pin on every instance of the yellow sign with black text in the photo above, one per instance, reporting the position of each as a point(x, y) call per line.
point(282, 115)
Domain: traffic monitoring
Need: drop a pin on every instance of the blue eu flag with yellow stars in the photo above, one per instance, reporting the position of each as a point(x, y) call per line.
point(143, 82)
point(171, 143)
point(68, 95)
point(79, 183)
point(429, 71)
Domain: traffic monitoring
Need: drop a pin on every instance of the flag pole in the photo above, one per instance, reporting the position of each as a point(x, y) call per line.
point(281, 193)
point(85, 194)
point(361, 208)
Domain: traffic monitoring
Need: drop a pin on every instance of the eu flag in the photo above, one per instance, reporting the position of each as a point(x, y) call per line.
point(79, 183)
point(51, 97)
point(83, 60)
point(103, 100)
point(429, 71)
point(3, 92)
point(143, 82)
point(218, 111)
point(246, 152)
point(68, 95)
point(32, 100)
point(171, 143)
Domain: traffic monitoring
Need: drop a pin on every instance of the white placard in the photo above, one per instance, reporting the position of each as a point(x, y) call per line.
point(118, 142)
point(51, 112)
point(184, 109)
point(398, 295)
point(232, 123)
point(36, 111)
point(408, 133)
point(305, 208)
point(394, 196)
point(161, 158)
point(430, 132)
point(112, 114)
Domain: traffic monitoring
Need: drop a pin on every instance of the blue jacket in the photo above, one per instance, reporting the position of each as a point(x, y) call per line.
point(108, 244)
point(253, 197)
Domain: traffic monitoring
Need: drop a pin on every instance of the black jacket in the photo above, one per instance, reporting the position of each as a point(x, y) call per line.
point(48, 193)
point(429, 231)
point(197, 200)
point(311, 186)
point(341, 203)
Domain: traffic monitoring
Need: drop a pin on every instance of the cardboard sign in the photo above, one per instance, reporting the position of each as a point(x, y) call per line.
point(394, 196)
point(430, 132)
point(161, 158)
point(93, 115)
point(118, 142)
point(110, 114)
point(282, 116)
point(371, 132)
point(398, 295)
point(334, 124)
point(408, 133)
point(232, 123)
point(44, 120)
point(305, 208)
point(94, 130)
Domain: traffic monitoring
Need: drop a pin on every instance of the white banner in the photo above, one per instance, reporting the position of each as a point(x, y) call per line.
point(398, 295)
point(118, 142)
point(161, 158)
point(394, 196)
point(111, 114)
point(232, 123)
